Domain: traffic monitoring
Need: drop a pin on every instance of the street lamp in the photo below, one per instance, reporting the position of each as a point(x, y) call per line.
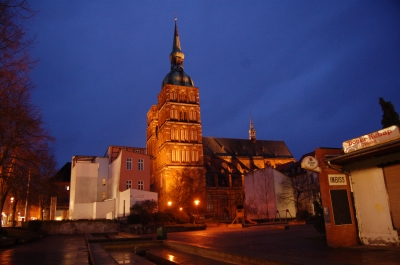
point(169, 203)
point(196, 202)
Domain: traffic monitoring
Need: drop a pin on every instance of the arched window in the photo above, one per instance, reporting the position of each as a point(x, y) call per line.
point(174, 134)
point(185, 155)
point(195, 155)
point(175, 155)
point(172, 95)
point(184, 134)
point(182, 97)
point(192, 115)
point(183, 115)
point(174, 113)
point(193, 134)
point(192, 97)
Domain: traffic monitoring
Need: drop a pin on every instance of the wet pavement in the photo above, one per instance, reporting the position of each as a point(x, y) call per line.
point(50, 250)
point(296, 245)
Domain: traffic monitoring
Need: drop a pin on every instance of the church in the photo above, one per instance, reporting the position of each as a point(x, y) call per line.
point(203, 175)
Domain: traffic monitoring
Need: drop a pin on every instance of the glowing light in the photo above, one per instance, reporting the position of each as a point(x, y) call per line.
point(196, 202)
point(169, 203)
point(171, 257)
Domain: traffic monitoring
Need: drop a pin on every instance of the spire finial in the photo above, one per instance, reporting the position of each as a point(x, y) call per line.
point(176, 56)
point(252, 131)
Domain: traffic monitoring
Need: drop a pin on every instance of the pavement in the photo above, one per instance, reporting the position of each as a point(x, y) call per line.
point(297, 245)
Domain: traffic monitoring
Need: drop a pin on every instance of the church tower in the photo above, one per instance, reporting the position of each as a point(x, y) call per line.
point(174, 138)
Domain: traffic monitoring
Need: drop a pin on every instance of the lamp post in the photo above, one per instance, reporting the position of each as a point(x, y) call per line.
point(197, 202)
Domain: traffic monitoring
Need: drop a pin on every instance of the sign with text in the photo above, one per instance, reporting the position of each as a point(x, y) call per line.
point(375, 138)
point(337, 179)
point(310, 163)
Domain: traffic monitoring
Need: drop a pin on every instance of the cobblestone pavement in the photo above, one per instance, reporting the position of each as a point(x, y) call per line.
point(298, 244)
point(50, 250)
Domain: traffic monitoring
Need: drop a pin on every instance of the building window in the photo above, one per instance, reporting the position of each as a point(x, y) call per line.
point(129, 163)
point(192, 98)
point(174, 134)
point(172, 95)
point(192, 115)
point(175, 155)
point(140, 164)
point(193, 135)
point(195, 155)
point(174, 114)
point(137, 151)
point(183, 114)
point(140, 185)
point(184, 135)
point(185, 155)
point(129, 184)
point(66, 187)
point(182, 97)
point(103, 182)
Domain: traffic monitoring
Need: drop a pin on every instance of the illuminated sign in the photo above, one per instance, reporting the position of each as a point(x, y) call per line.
point(310, 163)
point(375, 138)
point(337, 179)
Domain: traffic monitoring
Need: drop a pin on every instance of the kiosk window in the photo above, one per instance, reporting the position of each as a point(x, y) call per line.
point(340, 207)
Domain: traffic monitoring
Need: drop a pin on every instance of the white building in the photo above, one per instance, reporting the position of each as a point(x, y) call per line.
point(105, 187)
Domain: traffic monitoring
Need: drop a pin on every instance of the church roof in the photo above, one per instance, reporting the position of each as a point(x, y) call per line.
point(245, 147)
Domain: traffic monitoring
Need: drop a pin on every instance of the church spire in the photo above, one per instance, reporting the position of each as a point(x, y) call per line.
point(252, 131)
point(176, 56)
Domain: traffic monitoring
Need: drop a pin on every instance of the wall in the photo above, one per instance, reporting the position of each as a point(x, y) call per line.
point(372, 207)
point(79, 227)
point(102, 210)
point(131, 196)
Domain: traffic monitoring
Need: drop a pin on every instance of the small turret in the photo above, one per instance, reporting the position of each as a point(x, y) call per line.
point(252, 131)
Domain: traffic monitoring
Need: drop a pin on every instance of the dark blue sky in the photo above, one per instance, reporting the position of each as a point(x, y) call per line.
point(310, 72)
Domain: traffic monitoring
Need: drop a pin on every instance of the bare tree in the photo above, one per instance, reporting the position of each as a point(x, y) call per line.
point(185, 186)
point(22, 134)
point(296, 189)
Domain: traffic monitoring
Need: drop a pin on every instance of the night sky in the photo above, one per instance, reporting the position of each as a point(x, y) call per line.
point(309, 72)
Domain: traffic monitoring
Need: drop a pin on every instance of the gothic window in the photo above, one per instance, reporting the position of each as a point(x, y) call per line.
point(175, 155)
point(184, 134)
point(182, 97)
point(192, 115)
point(192, 97)
point(172, 95)
point(174, 134)
point(174, 113)
point(195, 155)
point(193, 135)
point(183, 115)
